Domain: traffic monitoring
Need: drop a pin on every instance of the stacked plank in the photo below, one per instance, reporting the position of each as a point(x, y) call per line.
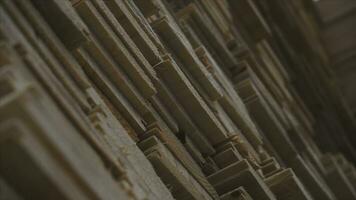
point(152, 99)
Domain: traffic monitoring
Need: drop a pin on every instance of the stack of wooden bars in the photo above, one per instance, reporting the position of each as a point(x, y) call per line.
point(154, 100)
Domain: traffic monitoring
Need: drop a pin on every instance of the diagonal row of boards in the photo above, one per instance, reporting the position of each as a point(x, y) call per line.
point(144, 99)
